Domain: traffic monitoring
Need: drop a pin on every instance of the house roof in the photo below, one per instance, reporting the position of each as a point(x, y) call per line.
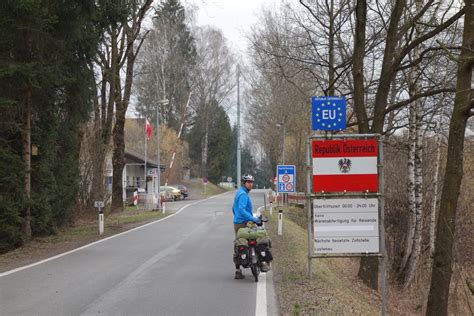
point(133, 157)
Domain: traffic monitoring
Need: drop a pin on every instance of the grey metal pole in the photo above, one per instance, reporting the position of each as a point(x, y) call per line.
point(382, 226)
point(284, 195)
point(309, 206)
point(283, 144)
point(158, 171)
point(239, 176)
point(146, 186)
point(164, 102)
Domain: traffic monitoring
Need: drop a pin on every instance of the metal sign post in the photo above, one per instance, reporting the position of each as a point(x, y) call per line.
point(345, 199)
point(382, 226)
point(310, 208)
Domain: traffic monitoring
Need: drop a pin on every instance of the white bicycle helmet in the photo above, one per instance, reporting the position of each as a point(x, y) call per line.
point(248, 177)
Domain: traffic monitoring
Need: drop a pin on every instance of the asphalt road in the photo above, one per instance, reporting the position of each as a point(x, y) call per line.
point(181, 265)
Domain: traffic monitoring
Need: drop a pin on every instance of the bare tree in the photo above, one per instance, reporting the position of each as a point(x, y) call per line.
point(213, 81)
point(133, 39)
point(391, 39)
point(114, 70)
point(165, 65)
point(463, 109)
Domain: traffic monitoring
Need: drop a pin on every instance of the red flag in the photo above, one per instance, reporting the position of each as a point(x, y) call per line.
point(148, 130)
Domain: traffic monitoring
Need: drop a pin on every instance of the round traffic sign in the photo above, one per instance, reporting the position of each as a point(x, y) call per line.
point(285, 178)
point(289, 187)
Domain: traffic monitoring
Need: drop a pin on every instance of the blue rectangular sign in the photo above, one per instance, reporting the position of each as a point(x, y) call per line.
point(286, 179)
point(328, 113)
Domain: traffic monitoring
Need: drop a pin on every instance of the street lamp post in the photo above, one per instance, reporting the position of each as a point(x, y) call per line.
point(239, 175)
point(164, 101)
point(158, 171)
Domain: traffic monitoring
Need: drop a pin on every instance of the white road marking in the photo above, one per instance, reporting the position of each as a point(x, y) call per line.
point(261, 306)
point(102, 240)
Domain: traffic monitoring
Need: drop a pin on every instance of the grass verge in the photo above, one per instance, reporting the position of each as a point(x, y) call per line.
point(205, 190)
point(81, 233)
point(113, 224)
point(333, 290)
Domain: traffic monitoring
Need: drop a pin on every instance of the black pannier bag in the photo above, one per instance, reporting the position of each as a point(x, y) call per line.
point(264, 253)
point(243, 256)
point(241, 253)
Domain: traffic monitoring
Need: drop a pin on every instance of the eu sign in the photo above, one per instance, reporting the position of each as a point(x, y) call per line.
point(328, 113)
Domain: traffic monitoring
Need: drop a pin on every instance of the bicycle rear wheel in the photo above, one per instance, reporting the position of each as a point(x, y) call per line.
point(255, 271)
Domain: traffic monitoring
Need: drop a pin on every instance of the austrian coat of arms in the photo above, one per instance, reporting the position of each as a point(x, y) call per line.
point(345, 165)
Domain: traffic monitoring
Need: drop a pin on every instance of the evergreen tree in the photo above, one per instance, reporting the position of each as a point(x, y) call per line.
point(45, 90)
point(215, 163)
point(249, 165)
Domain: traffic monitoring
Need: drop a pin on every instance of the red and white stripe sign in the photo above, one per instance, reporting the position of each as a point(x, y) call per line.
point(345, 165)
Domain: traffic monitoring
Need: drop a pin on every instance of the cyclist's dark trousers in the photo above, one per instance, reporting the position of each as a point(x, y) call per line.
point(239, 226)
point(236, 229)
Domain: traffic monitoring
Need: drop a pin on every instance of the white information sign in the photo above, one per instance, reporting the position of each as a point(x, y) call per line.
point(99, 204)
point(152, 171)
point(346, 225)
point(286, 179)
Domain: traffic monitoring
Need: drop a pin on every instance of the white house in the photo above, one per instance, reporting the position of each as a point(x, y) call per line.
point(134, 175)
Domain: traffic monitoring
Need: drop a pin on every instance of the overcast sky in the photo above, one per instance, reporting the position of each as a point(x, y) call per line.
point(233, 17)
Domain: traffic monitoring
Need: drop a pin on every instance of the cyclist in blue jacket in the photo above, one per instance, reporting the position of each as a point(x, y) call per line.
point(242, 207)
point(242, 210)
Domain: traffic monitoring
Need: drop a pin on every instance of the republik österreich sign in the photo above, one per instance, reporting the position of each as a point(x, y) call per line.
point(345, 165)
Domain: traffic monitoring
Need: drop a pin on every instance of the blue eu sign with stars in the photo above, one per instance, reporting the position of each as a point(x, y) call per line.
point(328, 113)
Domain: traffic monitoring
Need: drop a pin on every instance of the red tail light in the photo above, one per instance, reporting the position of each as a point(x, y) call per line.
point(252, 242)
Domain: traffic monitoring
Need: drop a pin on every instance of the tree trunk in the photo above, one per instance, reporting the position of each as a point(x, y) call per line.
point(358, 66)
point(410, 188)
point(98, 168)
point(26, 226)
point(418, 199)
point(445, 232)
point(119, 150)
point(435, 196)
point(388, 71)
point(205, 144)
point(415, 172)
point(369, 266)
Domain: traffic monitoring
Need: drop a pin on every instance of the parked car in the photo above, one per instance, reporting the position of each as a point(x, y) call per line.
point(170, 193)
point(183, 189)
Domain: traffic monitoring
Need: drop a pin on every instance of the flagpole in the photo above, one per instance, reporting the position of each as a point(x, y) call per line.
point(146, 141)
